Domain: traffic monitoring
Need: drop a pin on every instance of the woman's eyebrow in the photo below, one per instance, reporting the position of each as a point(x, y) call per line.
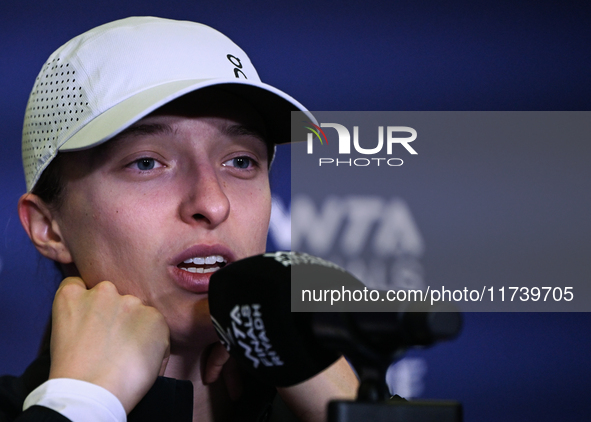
point(108, 147)
point(146, 129)
point(138, 130)
point(160, 128)
point(242, 130)
point(165, 129)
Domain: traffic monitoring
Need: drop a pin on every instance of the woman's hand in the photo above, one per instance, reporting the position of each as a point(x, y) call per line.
point(107, 339)
point(220, 364)
point(309, 399)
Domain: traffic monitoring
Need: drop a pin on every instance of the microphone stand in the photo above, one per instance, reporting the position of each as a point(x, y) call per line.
point(375, 404)
point(370, 349)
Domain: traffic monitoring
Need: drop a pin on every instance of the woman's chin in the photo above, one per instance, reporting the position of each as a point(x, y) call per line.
point(196, 333)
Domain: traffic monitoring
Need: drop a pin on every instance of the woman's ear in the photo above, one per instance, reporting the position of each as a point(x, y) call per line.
point(40, 224)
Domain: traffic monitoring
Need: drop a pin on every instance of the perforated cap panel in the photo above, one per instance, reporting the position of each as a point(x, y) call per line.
point(56, 105)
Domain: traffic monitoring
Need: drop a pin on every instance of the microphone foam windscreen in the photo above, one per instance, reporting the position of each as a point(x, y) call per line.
point(250, 306)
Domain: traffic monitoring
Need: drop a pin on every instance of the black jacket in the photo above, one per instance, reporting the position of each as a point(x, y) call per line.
point(169, 400)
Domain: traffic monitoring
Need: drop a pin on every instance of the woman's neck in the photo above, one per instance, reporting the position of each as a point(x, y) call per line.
point(211, 402)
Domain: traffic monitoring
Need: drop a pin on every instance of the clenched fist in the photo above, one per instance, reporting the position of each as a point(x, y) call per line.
point(107, 339)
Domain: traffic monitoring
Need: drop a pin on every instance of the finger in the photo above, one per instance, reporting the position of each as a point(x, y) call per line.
point(72, 281)
point(218, 356)
point(232, 379)
point(164, 362)
point(71, 289)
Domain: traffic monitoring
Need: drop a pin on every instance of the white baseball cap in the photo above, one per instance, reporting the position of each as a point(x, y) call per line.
point(101, 82)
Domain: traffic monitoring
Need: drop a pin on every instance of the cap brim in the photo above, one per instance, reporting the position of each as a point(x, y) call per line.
point(272, 104)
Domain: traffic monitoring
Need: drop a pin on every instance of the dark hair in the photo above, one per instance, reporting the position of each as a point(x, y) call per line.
point(50, 187)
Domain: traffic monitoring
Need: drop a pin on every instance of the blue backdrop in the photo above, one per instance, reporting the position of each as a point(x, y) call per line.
point(375, 55)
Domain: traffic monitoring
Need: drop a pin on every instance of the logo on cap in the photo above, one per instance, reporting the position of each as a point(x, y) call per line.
point(236, 62)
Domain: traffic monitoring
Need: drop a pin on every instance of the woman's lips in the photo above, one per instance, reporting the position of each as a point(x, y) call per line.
point(192, 268)
point(193, 282)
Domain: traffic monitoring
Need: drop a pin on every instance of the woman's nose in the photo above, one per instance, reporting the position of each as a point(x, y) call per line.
point(205, 201)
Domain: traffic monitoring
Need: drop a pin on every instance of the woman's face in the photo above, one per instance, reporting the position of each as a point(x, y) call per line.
point(157, 208)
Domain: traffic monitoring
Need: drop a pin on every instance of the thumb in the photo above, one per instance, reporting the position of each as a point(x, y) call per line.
point(72, 281)
point(164, 362)
point(216, 359)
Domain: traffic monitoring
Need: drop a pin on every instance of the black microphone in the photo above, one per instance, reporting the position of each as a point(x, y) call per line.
point(249, 303)
point(250, 306)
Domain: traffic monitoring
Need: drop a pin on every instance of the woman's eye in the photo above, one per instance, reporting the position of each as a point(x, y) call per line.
point(145, 164)
point(240, 162)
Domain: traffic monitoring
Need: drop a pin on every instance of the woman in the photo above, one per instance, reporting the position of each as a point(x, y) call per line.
point(146, 147)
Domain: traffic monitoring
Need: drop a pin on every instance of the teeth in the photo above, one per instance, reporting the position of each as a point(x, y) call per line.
point(208, 260)
point(203, 260)
point(200, 270)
